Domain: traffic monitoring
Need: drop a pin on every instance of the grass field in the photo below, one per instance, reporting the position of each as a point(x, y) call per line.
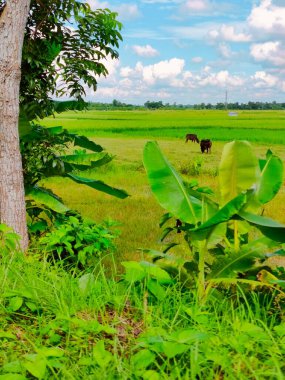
point(139, 214)
point(259, 126)
point(55, 324)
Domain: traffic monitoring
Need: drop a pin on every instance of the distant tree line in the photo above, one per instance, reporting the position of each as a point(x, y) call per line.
point(242, 106)
point(153, 105)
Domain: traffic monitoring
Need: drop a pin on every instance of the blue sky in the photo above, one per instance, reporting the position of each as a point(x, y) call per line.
point(192, 51)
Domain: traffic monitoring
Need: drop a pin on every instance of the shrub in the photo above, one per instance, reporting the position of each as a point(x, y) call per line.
point(77, 243)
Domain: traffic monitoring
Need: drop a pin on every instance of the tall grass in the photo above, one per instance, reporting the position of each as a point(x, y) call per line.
point(104, 329)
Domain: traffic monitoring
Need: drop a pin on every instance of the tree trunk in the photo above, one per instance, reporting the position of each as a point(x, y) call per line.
point(13, 20)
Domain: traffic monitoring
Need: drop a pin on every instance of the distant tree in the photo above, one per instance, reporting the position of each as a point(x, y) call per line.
point(153, 105)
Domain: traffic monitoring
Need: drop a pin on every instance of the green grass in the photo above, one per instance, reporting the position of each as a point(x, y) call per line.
point(139, 214)
point(67, 328)
point(56, 326)
point(255, 126)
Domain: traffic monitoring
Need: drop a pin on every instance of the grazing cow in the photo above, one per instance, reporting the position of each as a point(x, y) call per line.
point(192, 137)
point(205, 145)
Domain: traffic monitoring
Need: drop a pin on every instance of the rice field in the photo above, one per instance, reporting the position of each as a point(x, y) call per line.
point(124, 134)
point(255, 126)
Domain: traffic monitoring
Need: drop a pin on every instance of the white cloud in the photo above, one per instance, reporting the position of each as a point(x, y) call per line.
point(163, 70)
point(126, 71)
point(96, 4)
point(161, 1)
point(145, 51)
point(262, 79)
point(268, 18)
point(125, 11)
point(270, 52)
point(225, 50)
point(197, 59)
point(228, 33)
point(222, 79)
point(197, 5)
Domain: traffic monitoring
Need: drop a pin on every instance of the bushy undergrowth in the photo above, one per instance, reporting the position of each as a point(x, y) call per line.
point(75, 243)
point(58, 326)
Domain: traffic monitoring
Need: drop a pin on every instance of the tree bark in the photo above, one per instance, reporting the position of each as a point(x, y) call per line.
point(13, 20)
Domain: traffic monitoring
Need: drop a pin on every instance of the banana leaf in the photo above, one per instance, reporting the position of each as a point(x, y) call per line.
point(269, 227)
point(84, 142)
point(99, 185)
point(271, 177)
point(168, 187)
point(87, 160)
point(231, 265)
point(225, 213)
point(47, 198)
point(238, 170)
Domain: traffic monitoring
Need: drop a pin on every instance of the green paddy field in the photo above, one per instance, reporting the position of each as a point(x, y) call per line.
point(124, 133)
point(259, 126)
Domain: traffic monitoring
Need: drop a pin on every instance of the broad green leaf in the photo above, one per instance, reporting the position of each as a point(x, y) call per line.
point(225, 213)
point(51, 352)
point(171, 349)
point(229, 266)
point(156, 289)
point(238, 170)
point(15, 303)
point(271, 178)
point(85, 281)
point(102, 357)
point(269, 227)
point(45, 197)
point(99, 185)
point(134, 271)
point(156, 272)
point(151, 375)
point(168, 187)
point(188, 336)
point(88, 160)
point(13, 367)
point(36, 365)
point(142, 359)
point(12, 376)
point(84, 142)
point(55, 130)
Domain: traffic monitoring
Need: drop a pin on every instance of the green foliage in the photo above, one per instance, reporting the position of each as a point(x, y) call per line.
point(76, 243)
point(9, 241)
point(99, 328)
point(44, 155)
point(218, 235)
point(75, 40)
point(238, 170)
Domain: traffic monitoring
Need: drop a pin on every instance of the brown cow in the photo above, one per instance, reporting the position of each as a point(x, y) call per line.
point(206, 145)
point(192, 137)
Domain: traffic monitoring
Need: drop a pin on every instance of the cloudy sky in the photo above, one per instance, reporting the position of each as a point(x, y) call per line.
point(192, 51)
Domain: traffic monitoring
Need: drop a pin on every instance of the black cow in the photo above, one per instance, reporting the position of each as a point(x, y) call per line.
point(192, 137)
point(206, 145)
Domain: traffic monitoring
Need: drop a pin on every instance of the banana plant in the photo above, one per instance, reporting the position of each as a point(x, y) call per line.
point(44, 155)
point(246, 185)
